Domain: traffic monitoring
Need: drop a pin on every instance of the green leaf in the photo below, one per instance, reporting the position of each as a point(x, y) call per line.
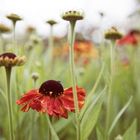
point(92, 101)
point(119, 115)
point(61, 124)
point(96, 83)
point(90, 95)
point(100, 136)
point(3, 94)
point(130, 133)
point(89, 119)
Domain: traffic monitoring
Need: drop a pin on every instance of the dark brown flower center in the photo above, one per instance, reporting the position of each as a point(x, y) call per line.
point(51, 88)
point(9, 55)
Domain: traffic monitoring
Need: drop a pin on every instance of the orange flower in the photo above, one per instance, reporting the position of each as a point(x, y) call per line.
point(51, 98)
point(84, 51)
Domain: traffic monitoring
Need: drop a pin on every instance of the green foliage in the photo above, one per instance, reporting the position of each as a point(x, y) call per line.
point(130, 133)
point(94, 77)
point(89, 120)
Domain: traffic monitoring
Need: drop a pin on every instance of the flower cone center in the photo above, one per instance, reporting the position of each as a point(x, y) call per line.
point(9, 55)
point(51, 88)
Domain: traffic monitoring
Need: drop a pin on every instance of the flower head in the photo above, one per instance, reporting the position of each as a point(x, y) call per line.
point(132, 38)
point(14, 17)
point(113, 34)
point(51, 22)
point(51, 98)
point(35, 76)
point(72, 15)
point(4, 28)
point(84, 51)
point(10, 59)
point(30, 29)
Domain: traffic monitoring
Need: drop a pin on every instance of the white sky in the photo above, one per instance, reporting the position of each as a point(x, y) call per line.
point(36, 12)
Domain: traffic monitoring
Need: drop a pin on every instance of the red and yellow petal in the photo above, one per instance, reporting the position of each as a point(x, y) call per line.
point(27, 97)
point(30, 100)
point(25, 108)
point(68, 101)
point(54, 107)
point(59, 108)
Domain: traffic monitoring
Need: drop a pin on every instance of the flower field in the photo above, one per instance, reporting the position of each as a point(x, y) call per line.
point(69, 88)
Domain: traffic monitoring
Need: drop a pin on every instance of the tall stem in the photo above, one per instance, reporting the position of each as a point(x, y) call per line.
point(49, 120)
point(14, 38)
point(109, 99)
point(72, 69)
point(9, 103)
point(50, 50)
point(32, 117)
point(2, 43)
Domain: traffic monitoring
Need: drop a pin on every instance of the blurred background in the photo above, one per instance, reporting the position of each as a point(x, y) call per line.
point(98, 15)
point(91, 52)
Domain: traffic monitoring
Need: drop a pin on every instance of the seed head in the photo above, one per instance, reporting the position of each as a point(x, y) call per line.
point(72, 15)
point(51, 22)
point(112, 34)
point(4, 28)
point(14, 17)
point(35, 76)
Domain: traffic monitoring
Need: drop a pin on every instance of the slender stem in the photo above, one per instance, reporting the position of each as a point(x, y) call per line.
point(14, 38)
point(41, 123)
point(49, 120)
point(2, 42)
point(9, 103)
point(72, 69)
point(109, 99)
point(51, 45)
point(32, 117)
point(50, 134)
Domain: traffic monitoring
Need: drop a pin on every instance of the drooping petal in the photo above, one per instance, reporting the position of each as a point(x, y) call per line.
point(59, 108)
point(30, 100)
point(68, 101)
point(54, 107)
point(36, 105)
point(27, 97)
point(25, 108)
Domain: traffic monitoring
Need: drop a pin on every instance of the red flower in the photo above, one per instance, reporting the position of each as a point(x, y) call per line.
point(129, 39)
point(51, 98)
point(132, 38)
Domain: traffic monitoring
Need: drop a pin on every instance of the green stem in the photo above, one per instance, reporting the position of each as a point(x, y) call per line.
point(109, 99)
point(9, 103)
point(14, 38)
point(49, 120)
point(41, 123)
point(32, 117)
point(72, 69)
point(2, 43)
point(51, 45)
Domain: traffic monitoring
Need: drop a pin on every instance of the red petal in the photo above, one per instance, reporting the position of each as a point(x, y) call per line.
point(59, 108)
point(68, 101)
point(36, 105)
point(54, 107)
point(29, 100)
point(27, 97)
point(25, 108)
